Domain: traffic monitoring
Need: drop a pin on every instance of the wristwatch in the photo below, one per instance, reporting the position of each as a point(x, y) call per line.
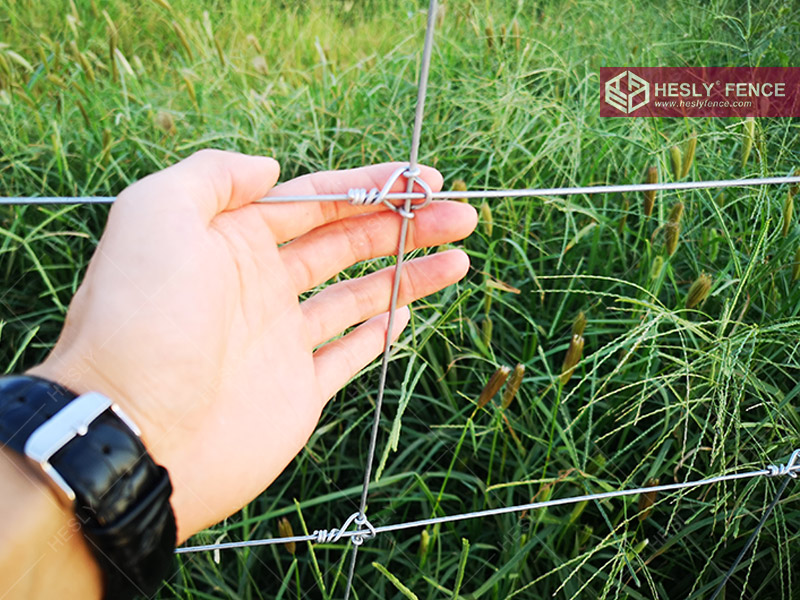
point(91, 454)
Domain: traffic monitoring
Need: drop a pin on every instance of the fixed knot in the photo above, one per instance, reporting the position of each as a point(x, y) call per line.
point(362, 521)
point(324, 536)
point(790, 468)
point(364, 197)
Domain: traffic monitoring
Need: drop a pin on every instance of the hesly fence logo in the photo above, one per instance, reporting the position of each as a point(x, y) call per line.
point(636, 96)
point(700, 91)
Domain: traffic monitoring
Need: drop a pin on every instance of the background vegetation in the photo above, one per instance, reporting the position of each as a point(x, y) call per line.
point(95, 94)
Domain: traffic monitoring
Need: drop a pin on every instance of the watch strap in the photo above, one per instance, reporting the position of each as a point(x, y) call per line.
point(25, 403)
point(121, 494)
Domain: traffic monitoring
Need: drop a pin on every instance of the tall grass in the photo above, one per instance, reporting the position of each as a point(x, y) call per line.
point(94, 95)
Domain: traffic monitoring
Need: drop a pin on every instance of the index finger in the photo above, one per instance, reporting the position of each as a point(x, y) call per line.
point(291, 220)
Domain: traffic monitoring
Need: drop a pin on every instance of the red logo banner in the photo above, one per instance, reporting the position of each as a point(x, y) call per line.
point(700, 92)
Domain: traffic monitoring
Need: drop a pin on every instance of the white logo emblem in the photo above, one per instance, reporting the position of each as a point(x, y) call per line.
point(627, 102)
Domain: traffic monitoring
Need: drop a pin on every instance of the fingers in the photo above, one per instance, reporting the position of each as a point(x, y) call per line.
point(338, 362)
point(290, 220)
point(344, 304)
point(208, 182)
point(322, 253)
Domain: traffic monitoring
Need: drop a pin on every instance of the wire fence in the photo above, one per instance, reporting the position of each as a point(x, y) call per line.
point(790, 469)
point(364, 529)
point(375, 196)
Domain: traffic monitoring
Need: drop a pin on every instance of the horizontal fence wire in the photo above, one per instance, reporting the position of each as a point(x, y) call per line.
point(456, 195)
point(789, 469)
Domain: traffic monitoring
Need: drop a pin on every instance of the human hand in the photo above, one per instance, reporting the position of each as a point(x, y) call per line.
point(188, 316)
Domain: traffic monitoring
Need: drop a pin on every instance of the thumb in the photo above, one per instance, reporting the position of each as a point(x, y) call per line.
point(208, 182)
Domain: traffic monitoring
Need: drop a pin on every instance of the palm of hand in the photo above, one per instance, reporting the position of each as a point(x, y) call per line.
point(189, 316)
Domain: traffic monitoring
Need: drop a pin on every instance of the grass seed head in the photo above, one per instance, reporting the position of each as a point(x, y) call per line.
point(676, 213)
point(260, 65)
point(187, 79)
point(441, 14)
point(749, 137)
point(655, 269)
point(424, 542)
point(72, 23)
point(796, 266)
point(486, 331)
point(285, 530)
point(489, 297)
point(5, 68)
point(688, 155)
point(84, 113)
point(794, 188)
point(515, 31)
point(579, 324)
point(677, 161)
point(112, 51)
point(673, 233)
point(571, 358)
point(647, 499)
point(56, 80)
point(42, 58)
point(788, 209)
point(74, 10)
point(513, 385)
point(486, 217)
point(489, 35)
point(220, 52)
point(493, 386)
point(165, 122)
point(253, 41)
point(650, 195)
point(698, 291)
point(163, 4)
point(459, 185)
point(124, 64)
point(110, 22)
point(84, 62)
point(182, 39)
point(673, 228)
point(105, 154)
point(139, 65)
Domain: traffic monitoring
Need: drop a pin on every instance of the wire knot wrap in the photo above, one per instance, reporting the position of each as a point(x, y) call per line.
point(364, 197)
point(324, 536)
point(790, 468)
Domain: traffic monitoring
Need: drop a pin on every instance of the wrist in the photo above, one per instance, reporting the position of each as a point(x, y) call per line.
point(42, 552)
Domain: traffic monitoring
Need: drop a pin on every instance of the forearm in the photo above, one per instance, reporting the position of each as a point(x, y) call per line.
point(42, 551)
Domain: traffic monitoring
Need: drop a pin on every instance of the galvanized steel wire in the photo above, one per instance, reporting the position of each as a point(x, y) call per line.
point(360, 196)
point(789, 469)
point(405, 204)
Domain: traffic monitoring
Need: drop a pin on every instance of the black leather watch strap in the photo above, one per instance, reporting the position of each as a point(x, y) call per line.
point(121, 495)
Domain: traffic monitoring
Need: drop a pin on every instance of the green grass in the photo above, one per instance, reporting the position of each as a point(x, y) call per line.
point(662, 391)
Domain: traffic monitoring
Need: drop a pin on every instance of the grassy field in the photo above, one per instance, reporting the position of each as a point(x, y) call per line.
point(95, 94)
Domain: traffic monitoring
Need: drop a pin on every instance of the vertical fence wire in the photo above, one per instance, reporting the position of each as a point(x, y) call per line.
point(422, 89)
